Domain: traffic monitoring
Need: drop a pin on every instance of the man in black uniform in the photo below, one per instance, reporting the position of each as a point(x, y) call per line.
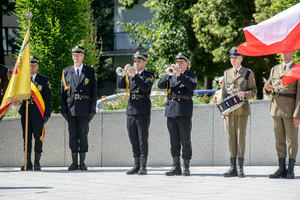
point(139, 84)
point(36, 120)
point(78, 105)
point(4, 79)
point(179, 110)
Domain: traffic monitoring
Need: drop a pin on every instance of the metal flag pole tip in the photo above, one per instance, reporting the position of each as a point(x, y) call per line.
point(28, 15)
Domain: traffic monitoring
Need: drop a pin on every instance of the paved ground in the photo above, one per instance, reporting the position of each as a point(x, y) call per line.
point(112, 184)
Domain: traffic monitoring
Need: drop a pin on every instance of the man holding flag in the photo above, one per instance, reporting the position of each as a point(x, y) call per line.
point(39, 113)
point(285, 111)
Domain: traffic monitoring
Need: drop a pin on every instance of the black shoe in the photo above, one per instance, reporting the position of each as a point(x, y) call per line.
point(241, 168)
point(290, 170)
point(74, 165)
point(281, 171)
point(232, 171)
point(82, 165)
point(186, 168)
point(136, 166)
point(28, 164)
point(143, 169)
point(37, 166)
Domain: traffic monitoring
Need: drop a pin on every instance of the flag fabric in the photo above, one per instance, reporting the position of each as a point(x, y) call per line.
point(18, 87)
point(292, 75)
point(278, 34)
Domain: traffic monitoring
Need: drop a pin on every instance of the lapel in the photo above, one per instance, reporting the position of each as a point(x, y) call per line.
point(132, 84)
point(82, 75)
point(36, 80)
point(73, 76)
point(174, 81)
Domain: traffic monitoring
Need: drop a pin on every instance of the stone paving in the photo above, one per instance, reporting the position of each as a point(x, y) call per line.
point(111, 183)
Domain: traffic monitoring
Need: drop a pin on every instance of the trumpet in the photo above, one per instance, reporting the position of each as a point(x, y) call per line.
point(120, 71)
point(171, 71)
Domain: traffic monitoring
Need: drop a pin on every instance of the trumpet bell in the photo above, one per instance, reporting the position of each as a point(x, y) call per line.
point(119, 71)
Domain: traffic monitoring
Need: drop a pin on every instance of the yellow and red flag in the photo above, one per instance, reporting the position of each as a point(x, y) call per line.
point(18, 87)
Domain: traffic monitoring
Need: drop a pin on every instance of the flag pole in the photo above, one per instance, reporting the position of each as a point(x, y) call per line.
point(28, 15)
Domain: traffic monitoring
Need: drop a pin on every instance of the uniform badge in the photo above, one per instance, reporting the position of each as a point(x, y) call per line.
point(39, 87)
point(151, 78)
point(86, 81)
point(195, 79)
point(49, 85)
point(0, 80)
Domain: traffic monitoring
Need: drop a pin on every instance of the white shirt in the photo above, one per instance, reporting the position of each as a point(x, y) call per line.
point(288, 64)
point(80, 69)
point(33, 77)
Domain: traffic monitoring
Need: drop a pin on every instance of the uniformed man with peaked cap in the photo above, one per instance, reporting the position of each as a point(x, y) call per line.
point(78, 105)
point(4, 79)
point(35, 120)
point(285, 112)
point(240, 80)
point(180, 88)
point(138, 84)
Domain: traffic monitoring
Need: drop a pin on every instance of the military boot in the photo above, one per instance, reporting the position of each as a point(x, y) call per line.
point(186, 168)
point(281, 172)
point(143, 169)
point(290, 170)
point(241, 168)
point(232, 171)
point(29, 163)
point(82, 165)
point(74, 165)
point(136, 167)
point(176, 169)
point(37, 166)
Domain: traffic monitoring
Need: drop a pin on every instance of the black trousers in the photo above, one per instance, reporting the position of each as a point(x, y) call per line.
point(78, 132)
point(180, 134)
point(138, 132)
point(35, 128)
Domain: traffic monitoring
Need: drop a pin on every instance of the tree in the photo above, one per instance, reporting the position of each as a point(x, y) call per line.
point(6, 8)
point(57, 26)
point(169, 32)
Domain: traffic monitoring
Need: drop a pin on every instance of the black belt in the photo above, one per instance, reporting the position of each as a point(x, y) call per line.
point(179, 96)
point(78, 96)
point(284, 95)
point(137, 96)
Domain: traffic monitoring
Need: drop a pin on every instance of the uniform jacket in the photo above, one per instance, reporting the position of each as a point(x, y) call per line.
point(43, 85)
point(139, 84)
point(185, 84)
point(86, 86)
point(283, 106)
point(3, 81)
point(233, 84)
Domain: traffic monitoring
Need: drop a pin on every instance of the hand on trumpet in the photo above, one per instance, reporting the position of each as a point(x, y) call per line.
point(174, 70)
point(128, 70)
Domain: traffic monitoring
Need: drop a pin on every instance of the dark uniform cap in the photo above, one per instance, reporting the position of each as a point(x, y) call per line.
point(34, 60)
point(140, 56)
point(77, 50)
point(181, 56)
point(233, 52)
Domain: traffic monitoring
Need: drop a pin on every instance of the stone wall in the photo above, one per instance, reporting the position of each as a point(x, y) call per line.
point(109, 144)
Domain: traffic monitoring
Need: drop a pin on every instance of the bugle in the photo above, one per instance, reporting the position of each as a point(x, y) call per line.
point(120, 71)
point(171, 71)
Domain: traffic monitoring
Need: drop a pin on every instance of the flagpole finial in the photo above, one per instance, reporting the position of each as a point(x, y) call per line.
point(28, 15)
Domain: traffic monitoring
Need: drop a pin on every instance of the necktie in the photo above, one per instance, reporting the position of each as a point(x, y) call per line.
point(77, 74)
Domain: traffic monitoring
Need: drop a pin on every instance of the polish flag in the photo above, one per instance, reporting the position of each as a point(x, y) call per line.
point(278, 34)
point(291, 75)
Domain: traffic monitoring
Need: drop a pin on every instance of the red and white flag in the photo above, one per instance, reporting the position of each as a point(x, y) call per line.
point(278, 34)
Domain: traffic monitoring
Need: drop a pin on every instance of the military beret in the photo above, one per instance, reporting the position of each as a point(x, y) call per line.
point(77, 50)
point(233, 52)
point(181, 56)
point(140, 56)
point(34, 60)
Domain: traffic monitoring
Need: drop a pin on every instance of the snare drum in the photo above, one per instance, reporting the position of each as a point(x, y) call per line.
point(230, 104)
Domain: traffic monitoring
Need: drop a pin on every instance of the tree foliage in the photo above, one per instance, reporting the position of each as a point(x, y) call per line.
point(57, 26)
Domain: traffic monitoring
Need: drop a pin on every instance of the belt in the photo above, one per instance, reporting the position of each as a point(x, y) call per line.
point(284, 95)
point(137, 96)
point(78, 96)
point(179, 96)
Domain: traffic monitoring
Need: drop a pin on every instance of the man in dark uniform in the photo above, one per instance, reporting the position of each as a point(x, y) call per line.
point(237, 80)
point(179, 111)
point(36, 120)
point(285, 112)
point(4, 79)
point(138, 84)
point(78, 105)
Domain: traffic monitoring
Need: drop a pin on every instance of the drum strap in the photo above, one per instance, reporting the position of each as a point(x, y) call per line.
point(245, 80)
